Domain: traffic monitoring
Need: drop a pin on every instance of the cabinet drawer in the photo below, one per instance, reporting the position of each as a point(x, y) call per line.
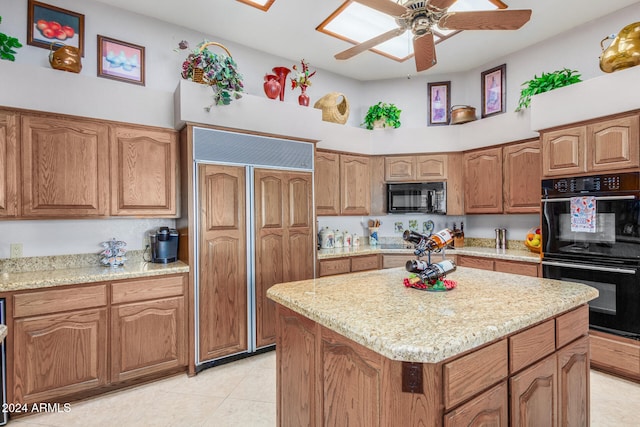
point(361, 263)
point(144, 289)
point(492, 407)
point(524, 268)
point(474, 373)
point(334, 266)
point(531, 345)
point(475, 262)
point(572, 325)
point(618, 354)
point(392, 261)
point(54, 301)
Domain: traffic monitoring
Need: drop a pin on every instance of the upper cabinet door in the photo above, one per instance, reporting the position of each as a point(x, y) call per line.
point(355, 185)
point(8, 165)
point(399, 169)
point(65, 167)
point(613, 144)
point(143, 172)
point(563, 151)
point(431, 168)
point(522, 174)
point(327, 180)
point(483, 181)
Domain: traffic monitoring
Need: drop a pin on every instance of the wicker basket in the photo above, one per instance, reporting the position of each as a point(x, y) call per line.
point(536, 249)
point(332, 110)
point(198, 73)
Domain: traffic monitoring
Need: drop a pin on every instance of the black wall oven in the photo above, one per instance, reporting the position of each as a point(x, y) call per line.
point(591, 234)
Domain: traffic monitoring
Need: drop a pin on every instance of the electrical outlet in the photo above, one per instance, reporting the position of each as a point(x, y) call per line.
point(15, 250)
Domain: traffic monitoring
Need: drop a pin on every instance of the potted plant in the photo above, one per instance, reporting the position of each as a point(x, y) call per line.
point(545, 83)
point(388, 114)
point(7, 46)
point(219, 71)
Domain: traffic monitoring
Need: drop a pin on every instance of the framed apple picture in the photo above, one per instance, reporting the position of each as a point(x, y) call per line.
point(51, 27)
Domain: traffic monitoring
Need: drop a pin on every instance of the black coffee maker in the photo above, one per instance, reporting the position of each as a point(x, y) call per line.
point(164, 245)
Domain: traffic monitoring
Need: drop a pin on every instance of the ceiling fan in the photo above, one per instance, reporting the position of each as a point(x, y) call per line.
point(420, 16)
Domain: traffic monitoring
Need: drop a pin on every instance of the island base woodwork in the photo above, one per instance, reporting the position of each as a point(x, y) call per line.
point(326, 379)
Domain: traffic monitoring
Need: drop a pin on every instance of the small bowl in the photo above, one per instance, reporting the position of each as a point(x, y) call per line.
point(528, 245)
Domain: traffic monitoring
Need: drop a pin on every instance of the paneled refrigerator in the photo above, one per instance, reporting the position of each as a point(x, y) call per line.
point(255, 228)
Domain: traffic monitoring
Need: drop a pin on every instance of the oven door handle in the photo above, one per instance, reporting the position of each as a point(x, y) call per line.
point(568, 199)
point(590, 267)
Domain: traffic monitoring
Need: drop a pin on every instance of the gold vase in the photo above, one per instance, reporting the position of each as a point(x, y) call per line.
point(624, 51)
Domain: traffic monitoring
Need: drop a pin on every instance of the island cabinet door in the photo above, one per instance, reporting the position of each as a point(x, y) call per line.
point(489, 409)
point(573, 384)
point(533, 400)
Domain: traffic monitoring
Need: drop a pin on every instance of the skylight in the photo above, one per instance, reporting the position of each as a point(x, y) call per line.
point(260, 4)
point(355, 23)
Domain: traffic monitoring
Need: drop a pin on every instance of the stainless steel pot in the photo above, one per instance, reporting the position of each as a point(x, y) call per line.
point(462, 114)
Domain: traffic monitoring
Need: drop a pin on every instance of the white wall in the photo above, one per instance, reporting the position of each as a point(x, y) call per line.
point(577, 49)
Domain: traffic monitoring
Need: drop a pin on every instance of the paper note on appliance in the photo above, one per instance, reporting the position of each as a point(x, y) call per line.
point(583, 214)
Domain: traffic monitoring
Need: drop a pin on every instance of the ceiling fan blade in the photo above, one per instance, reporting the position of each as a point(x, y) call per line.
point(384, 6)
point(441, 4)
point(485, 20)
point(366, 45)
point(425, 51)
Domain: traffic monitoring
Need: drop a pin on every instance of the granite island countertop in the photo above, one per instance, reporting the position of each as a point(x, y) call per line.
point(374, 309)
point(479, 251)
point(22, 280)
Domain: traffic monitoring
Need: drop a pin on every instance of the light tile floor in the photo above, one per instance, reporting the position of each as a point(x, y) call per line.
point(243, 394)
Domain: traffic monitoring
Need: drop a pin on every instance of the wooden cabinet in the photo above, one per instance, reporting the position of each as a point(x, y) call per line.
point(420, 168)
point(615, 354)
point(603, 145)
point(222, 284)
point(573, 383)
point(342, 184)
point(483, 181)
point(534, 398)
point(59, 343)
point(522, 174)
point(355, 185)
point(327, 183)
point(503, 266)
point(143, 172)
point(148, 327)
point(491, 408)
point(284, 239)
point(63, 343)
point(65, 167)
point(8, 164)
point(332, 266)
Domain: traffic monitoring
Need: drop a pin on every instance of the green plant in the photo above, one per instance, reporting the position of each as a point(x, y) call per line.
point(218, 70)
point(7, 46)
point(382, 111)
point(545, 83)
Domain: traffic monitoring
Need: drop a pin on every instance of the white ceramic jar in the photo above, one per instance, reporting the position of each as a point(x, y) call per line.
point(326, 238)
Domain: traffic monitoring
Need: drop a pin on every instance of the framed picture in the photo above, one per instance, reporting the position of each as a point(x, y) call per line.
point(51, 27)
point(120, 60)
point(494, 90)
point(439, 103)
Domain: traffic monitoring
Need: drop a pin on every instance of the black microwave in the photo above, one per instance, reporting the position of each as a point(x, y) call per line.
point(419, 197)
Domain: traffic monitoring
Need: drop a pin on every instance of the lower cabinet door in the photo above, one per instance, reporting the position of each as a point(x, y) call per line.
point(147, 337)
point(573, 384)
point(533, 395)
point(59, 354)
point(489, 409)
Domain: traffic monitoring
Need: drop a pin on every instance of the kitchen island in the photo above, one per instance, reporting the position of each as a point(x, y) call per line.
point(363, 347)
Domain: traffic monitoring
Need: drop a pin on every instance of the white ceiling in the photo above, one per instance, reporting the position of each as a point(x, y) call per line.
point(287, 30)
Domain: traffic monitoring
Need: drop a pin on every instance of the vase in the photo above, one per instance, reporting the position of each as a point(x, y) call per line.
point(282, 73)
point(272, 86)
point(303, 98)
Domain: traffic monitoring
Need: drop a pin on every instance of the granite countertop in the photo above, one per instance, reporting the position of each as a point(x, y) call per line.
point(21, 280)
point(506, 254)
point(376, 310)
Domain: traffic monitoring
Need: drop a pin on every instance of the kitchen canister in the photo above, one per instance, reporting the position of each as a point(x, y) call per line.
point(326, 238)
point(346, 239)
point(338, 239)
point(373, 236)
